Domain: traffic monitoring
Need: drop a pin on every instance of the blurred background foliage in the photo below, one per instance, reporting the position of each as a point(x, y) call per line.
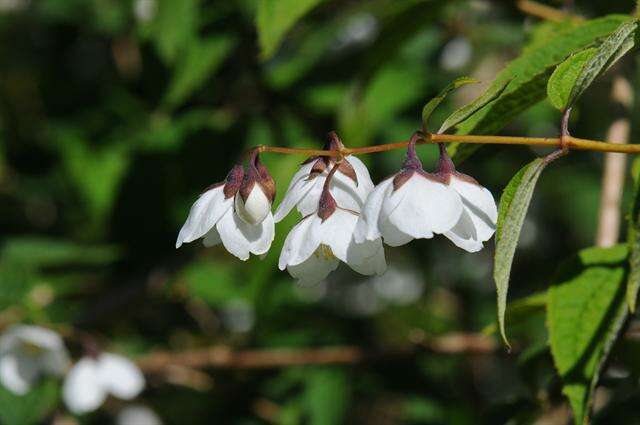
point(115, 114)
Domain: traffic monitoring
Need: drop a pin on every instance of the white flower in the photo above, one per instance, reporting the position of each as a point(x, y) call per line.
point(26, 353)
point(350, 185)
point(93, 378)
point(477, 222)
point(411, 205)
point(319, 241)
point(236, 212)
point(414, 204)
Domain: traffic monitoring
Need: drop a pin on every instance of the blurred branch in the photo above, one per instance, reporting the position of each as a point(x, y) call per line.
point(226, 357)
point(548, 13)
point(614, 170)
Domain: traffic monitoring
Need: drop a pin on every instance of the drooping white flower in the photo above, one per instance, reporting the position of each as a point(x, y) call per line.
point(316, 245)
point(414, 204)
point(92, 379)
point(28, 352)
point(350, 185)
point(479, 216)
point(137, 414)
point(236, 212)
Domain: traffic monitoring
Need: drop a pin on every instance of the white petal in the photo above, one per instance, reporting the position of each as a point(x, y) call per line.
point(464, 234)
point(82, 391)
point(479, 203)
point(428, 207)
point(262, 243)
point(367, 258)
point(212, 238)
point(55, 362)
point(298, 188)
point(308, 203)
point(137, 415)
point(346, 193)
point(365, 185)
point(300, 243)
point(314, 269)
point(18, 373)
point(204, 214)
point(367, 227)
point(392, 236)
point(256, 208)
point(120, 376)
point(232, 237)
point(336, 232)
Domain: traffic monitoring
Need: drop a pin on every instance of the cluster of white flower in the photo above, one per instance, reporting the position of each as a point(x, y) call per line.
point(345, 218)
point(29, 352)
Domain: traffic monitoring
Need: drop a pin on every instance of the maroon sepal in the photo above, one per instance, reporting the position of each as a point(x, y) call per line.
point(446, 168)
point(233, 181)
point(327, 205)
point(257, 173)
point(401, 178)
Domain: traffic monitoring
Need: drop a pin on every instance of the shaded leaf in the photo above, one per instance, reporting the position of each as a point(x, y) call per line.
point(514, 204)
point(530, 73)
point(459, 116)
point(44, 252)
point(563, 79)
point(633, 238)
point(275, 18)
point(584, 315)
point(432, 104)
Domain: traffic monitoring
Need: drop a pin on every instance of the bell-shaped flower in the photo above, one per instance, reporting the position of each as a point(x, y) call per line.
point(28, 352)
point(350, 185)
point(479, 216)
point(316, 245)
point(411, 204)
point(93, 378)
point(236, 212)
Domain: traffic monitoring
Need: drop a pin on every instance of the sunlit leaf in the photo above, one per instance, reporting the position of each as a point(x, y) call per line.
point(530, 72)
point(514, 204)
point(585, 312)
point(563, 79)
point(432, 104)
point(174, 27)
point(459, 116)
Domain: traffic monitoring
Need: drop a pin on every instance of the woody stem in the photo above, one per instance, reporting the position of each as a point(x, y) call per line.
point(570, 142)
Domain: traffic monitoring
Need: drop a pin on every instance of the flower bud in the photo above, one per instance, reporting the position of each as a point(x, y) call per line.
point(253, 200)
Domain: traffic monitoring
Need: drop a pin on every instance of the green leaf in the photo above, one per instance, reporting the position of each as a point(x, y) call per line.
point(433, 103)
point(633, 238)
point(585, 313)
point(564, 78)
point(609, 52)
point(327, 396)
point(200, 62)
point(530, 73)
point(31, 408)
point(514, 204)
point(174, 27)
point(459, 116)
point(275, 18)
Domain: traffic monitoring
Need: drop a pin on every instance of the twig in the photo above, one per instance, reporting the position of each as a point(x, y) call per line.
point(614, 172)
point(548, 13)
point(227, 358)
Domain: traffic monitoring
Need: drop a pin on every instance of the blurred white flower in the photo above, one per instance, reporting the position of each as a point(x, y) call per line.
point(456, 54)
point(236, 212)
point(360, 29)
point(145, 10)
point(401, 286)
point(28, 352)
point(92, 379)
point(137, 414)
point(317, 244)
point(238, 315)
point(13, 5)
point(350, 185)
